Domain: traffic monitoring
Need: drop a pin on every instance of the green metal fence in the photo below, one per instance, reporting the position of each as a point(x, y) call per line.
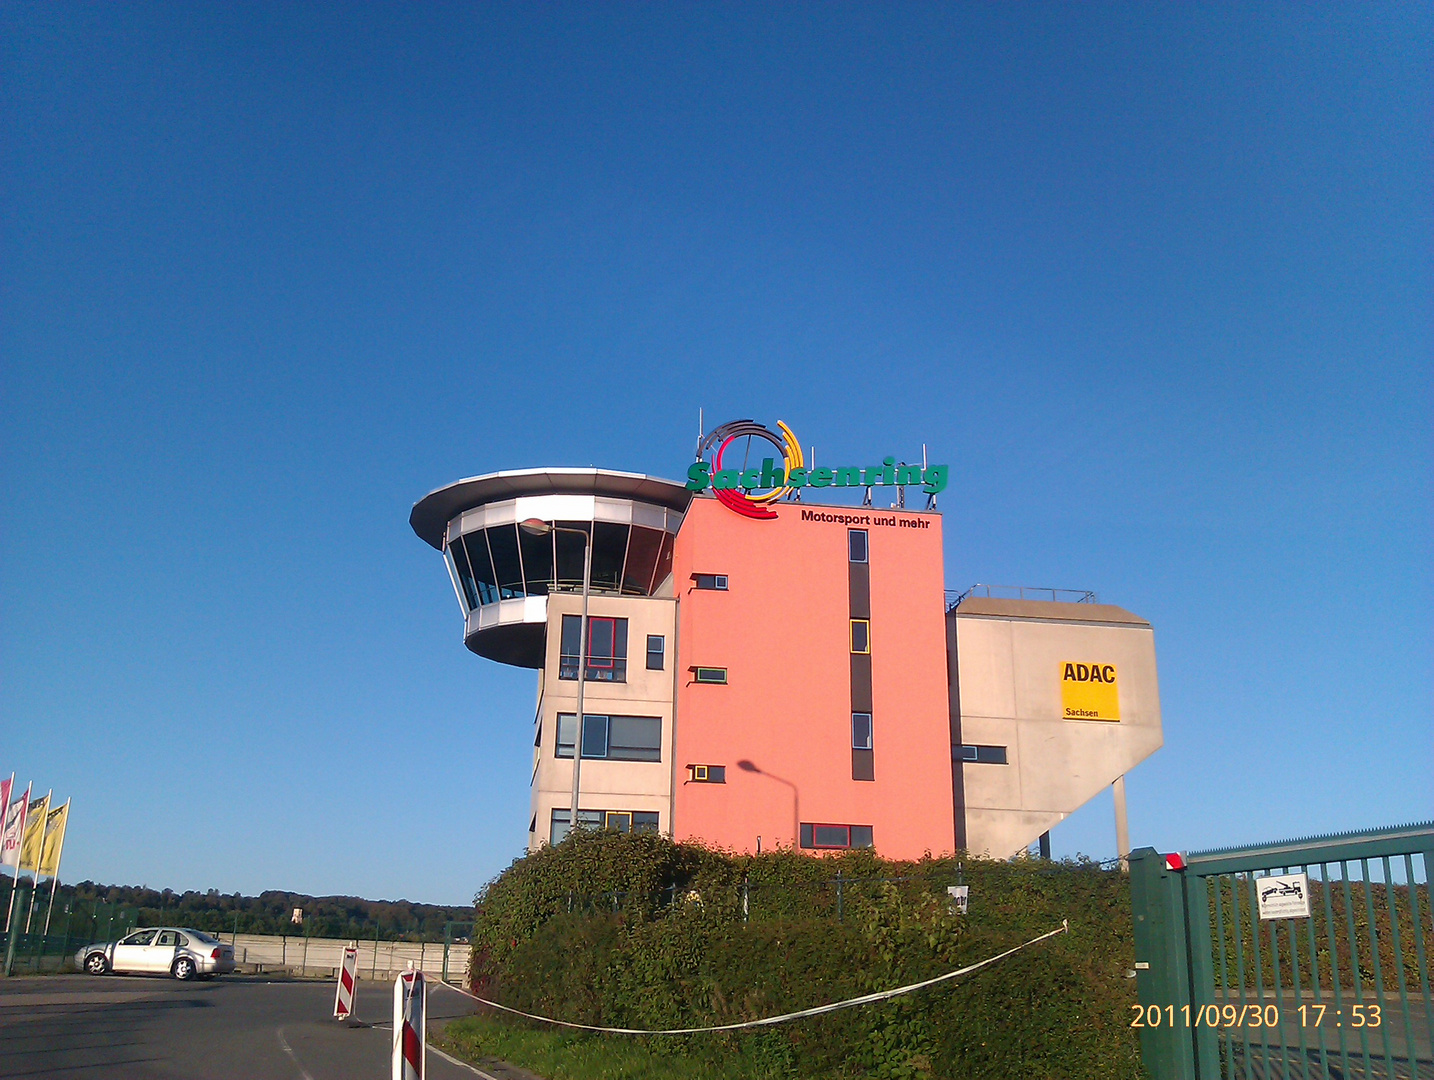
point(41, 939)
point(1343, 992)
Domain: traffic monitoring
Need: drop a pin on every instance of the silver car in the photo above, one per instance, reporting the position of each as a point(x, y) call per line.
point(164, 950)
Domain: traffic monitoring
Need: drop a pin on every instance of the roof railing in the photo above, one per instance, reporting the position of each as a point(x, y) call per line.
point(1022, 592)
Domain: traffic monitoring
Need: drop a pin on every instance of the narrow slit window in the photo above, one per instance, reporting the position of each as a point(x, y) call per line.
point(861, 731)
point(856, 545)
point(712, 582)
point(984, 755)
point(861, 635)
point(709, 675)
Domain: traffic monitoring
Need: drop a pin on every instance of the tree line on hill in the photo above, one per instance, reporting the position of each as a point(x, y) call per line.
point(271, 912)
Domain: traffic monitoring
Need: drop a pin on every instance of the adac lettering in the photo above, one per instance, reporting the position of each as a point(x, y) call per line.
point(1101, 673)
point(751, 491)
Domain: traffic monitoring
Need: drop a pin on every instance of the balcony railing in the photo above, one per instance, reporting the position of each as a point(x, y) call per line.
point(1023, 592)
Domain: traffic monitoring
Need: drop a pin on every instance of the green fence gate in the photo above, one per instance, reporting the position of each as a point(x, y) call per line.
point(1342, 992)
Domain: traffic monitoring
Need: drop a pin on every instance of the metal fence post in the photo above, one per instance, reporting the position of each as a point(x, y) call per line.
point(447, 940)
point(1162, 973)
point(744, 897)
point(839, 896)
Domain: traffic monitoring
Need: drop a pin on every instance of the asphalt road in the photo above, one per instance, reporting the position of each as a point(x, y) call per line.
point(234, 1028)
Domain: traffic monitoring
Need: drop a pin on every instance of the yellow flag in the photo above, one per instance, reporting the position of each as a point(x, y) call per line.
point(34, 832)
point(55, 822)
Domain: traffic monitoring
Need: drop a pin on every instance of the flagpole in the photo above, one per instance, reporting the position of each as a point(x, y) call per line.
point(9, 791)
point(24, 805)
point(55, 878)
point(39, 858)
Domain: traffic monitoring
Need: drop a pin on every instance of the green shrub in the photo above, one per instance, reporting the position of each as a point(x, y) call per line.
point(636, 931)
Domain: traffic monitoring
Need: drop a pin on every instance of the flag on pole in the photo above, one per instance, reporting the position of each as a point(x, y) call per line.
point(55, 822)
point(5, 786)
point(34, 833)
point(13, 831)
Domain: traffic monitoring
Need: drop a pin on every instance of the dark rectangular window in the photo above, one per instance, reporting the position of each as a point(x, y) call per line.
point(856, 545)
point(607, 648)
point(984, 755)
point(834, 837)
point(503, 543)
point(634, 738)
point(709, 674)
point(614, 738)
point(638, 821)
point(861, 731)
point(707, 774)
point(717, 582)
point(587, 819)
point(656, 650)
point(568, 647)
point(465, 572)
point(861, 635)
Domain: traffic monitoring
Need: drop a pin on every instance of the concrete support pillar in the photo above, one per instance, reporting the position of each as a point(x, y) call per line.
point(1122, 826)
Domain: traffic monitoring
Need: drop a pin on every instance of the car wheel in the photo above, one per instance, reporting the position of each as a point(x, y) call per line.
point(183, 968)
point(95, 964)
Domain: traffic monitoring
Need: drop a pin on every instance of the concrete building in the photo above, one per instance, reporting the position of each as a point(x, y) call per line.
point(769, 672)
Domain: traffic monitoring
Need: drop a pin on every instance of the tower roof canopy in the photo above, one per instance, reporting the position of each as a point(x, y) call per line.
point(432, 513)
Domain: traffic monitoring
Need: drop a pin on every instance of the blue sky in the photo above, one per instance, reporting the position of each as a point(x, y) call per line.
point(1154, 279)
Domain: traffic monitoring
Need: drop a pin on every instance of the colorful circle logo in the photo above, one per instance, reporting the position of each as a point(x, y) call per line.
point(768, 482)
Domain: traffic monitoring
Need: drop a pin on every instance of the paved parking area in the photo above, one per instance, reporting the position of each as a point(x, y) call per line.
point(234, 1028)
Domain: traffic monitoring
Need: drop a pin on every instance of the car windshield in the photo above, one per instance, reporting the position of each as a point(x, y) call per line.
point(202, 936)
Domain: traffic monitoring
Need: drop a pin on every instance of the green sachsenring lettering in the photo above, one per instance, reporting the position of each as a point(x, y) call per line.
point(889, 474)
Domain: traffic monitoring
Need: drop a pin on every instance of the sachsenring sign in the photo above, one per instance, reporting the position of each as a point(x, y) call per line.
point(751, 491)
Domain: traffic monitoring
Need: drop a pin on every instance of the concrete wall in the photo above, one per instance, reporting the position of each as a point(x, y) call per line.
point(782, 631)
point(1010, 656)
point(320, 956)
point(606, 785)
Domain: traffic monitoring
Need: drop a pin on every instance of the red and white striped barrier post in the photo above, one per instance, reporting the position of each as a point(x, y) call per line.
point(348, 980)
point(410, 1037)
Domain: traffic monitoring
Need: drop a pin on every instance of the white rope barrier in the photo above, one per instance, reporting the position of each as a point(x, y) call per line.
point(865, 999)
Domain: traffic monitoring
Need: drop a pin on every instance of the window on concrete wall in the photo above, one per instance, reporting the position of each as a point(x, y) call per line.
point(656, 652)
point(834, 837)
point(587, 819)
point(713, 582)
point(638, 821)
point(716, 675)
point(984, 755)
point(607, 648)
point(613, 738)
point(707, 774)
point(856, 545)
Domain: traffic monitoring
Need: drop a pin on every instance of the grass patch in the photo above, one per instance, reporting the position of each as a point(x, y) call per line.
point(572, 1055)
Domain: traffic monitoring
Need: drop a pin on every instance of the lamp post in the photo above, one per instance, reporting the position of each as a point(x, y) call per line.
point(538, 527)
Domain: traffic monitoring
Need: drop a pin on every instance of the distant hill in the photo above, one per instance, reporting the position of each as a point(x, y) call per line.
point(271, 912)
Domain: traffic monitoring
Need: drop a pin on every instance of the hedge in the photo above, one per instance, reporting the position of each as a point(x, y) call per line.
point(637, 931)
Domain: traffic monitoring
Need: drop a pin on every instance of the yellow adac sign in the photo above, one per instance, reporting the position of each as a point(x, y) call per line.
point(1089, 692)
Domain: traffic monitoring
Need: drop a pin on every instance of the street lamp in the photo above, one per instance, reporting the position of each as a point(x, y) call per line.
point(539, 527)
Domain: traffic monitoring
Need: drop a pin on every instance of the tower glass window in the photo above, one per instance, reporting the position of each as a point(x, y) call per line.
point(642, 551)
point(507, 564)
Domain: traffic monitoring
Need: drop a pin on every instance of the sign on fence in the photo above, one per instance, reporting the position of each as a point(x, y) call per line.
point(1284, 896)
point(960, 897)
point(410, 1036)
point(348, 979)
